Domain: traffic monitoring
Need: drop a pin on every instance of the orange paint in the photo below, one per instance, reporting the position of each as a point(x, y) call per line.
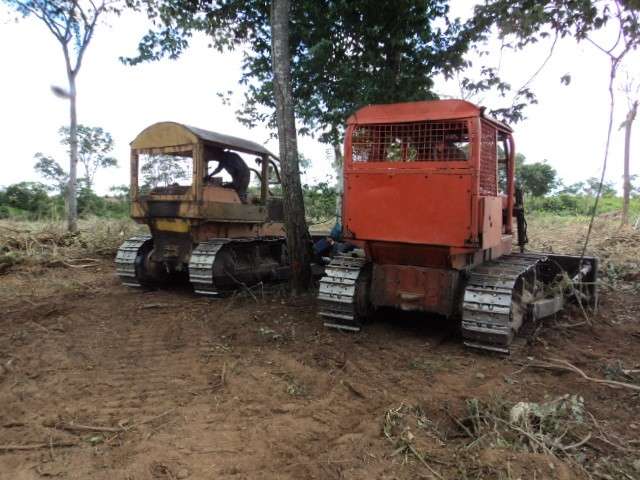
point(422, 189)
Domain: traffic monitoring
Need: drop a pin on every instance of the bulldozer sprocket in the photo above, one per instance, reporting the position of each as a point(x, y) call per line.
point(339, 292)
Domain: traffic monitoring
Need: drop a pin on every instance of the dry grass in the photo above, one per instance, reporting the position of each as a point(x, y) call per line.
point(618, 248)
point(49, 244)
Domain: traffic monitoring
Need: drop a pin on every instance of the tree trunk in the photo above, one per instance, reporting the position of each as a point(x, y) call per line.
point(298, 240)
point(72, 198)
point(627, 147)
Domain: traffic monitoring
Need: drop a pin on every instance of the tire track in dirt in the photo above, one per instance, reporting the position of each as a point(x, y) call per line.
point(142, 368)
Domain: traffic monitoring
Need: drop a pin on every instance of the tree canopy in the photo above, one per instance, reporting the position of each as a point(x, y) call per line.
point(345, 54)
point(94, 148)
point(537, 179)
point(520, 23)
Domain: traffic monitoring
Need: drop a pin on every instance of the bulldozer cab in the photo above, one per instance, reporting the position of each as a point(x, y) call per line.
point(183, 177)
point(434, 173)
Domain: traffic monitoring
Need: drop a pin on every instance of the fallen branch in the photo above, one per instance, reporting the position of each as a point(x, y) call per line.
point(353, 389)
point(570, 325)
point(73, 427)
point(566, 366)
point(85, 265)
point(529, 435)
point(36, 446)
point(223, 374)
point(242, 284)
point(578, 444)
point(154, 305)
point(128, 428)
point(423, 461)
point(460, 424)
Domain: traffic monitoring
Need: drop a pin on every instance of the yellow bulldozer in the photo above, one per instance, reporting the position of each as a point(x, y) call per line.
point(210, 202)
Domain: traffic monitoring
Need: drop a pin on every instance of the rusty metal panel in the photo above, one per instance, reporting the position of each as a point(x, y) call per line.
point(172, 134)
point(491, 222)
point(415, 207)
point(425, 110)
point(409, 254)
point(233, 212)
point(214, 193)
point(413, 111)
point(415, 288)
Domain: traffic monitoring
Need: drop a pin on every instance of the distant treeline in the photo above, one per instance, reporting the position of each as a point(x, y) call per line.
point(33, 201)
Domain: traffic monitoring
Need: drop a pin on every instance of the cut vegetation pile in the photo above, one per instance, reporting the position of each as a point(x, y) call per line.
point(618, 248)
point(50, 245)
point(498, 437)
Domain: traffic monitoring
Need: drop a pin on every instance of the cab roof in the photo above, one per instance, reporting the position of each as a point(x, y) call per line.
point(447, 109)
point(173, 134)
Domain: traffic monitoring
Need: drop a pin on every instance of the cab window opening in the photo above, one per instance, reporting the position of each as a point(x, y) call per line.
point(165, 173)
point(429, 141)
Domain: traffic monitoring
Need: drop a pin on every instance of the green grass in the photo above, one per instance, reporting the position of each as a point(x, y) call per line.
point(579, 205)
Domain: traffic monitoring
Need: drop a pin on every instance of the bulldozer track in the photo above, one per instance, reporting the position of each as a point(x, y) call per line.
point(337, 293)
point(490, 303)
point(210, 279)
point(201, 266)
point(238, 263)
point(126, 260)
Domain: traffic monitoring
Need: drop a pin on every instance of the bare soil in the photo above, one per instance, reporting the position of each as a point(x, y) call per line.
point(177, 386)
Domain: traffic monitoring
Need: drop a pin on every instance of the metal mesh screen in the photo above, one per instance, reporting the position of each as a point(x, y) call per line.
point(432, 141)
point(488, 161)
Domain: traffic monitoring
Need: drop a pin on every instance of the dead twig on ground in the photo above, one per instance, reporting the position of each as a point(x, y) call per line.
point(230, 303)
point(153, 305)
point(223, 374)
point(41, 327)
point(353, 389)
point(242, 284)
point(604, 437)
point(423, 461)
point(73, 427)
point(560, 364)
point(577, 444)
point(84, 265)
point(219, 381)
point(148, 420)
point(459, 423)
point(36, 446)
point(569, 325)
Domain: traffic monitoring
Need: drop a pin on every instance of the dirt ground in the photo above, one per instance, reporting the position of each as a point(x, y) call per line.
point(173, 386)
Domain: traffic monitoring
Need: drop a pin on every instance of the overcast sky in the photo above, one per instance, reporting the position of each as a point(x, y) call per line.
point(567, 127)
